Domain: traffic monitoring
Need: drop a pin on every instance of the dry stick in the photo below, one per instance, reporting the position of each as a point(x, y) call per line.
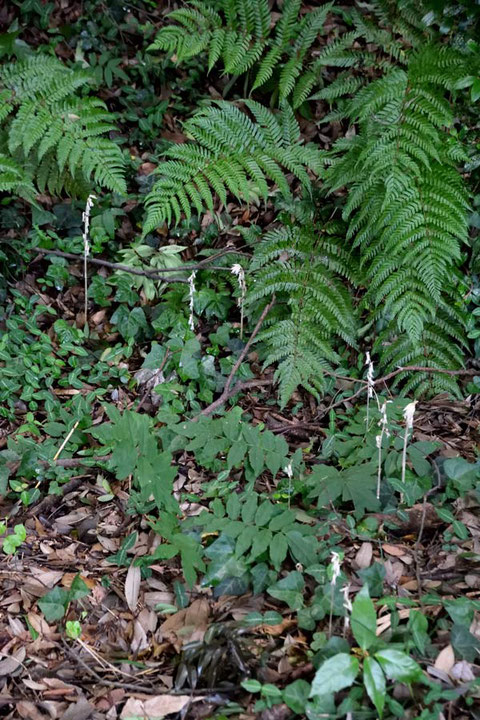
point(156, 274)
point(147, 689)
point(227, 393)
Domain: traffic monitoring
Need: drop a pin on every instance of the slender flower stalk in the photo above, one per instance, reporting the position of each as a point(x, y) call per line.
point(239, 273)
point(86, 247)
point(384, 431)
point(289, 473)
point(347, 604)
point(191, 295)
point(370, 384)
point(336, 565)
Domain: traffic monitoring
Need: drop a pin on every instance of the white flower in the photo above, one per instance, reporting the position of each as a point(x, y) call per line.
point(370, 383)
point(409, 413)
point(347, 604)
point(336, 567)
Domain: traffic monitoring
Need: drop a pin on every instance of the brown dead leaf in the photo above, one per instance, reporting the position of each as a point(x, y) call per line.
point(279, 629)
point(395, 550)
point(132, 586)
point(196, 619)
point(363, 558)
point(157, 707)
point(187, 625)
point(13, 662)
point(445, 659)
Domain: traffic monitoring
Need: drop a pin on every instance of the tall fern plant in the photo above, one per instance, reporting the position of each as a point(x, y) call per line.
point(406, 209)
point(239, 35)
point(52, 137)
point(305, 265)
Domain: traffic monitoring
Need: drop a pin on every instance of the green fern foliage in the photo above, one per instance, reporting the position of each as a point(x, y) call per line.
point(13, 179)
point(60, 137)
point(304, 268)
point(238, 34)
point(407, 202)
point(232, 152)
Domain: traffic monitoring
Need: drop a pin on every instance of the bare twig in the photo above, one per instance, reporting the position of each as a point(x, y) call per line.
point(156, 274)
point(227, 392)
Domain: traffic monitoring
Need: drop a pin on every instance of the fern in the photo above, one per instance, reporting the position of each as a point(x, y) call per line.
point(60, 137)
point(231, 153)
point(300, 266)
point(13, 179)
point(407, 202)
point(239, 35)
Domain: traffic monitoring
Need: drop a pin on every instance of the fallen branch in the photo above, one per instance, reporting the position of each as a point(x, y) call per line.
point(227, 392)
point(156, 274)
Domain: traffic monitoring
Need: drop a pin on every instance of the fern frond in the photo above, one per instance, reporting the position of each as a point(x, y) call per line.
point(299, 265)
point(407, 203)
point(229, 152)
point(61, 137)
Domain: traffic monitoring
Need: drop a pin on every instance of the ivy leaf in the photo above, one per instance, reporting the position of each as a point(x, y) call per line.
point(397, 665)
point(296, 695)
point(336, 673)
point(364, 619)
point(359, 486)
point(53, 604)
point(464, 643)
point(374, 681)
point(289, 590)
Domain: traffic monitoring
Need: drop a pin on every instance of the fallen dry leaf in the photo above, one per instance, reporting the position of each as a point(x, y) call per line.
point(445, 659)
point(395, 550)
point(363, 558)
point(156, 708)
point(12, 662)
point(132, 586)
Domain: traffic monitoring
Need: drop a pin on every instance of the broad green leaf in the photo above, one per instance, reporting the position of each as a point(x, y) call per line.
point(282, 520)
point(336, 673)
point(364, 619)
point(304, 548)
point(245, 539)
point(465, 643)
point(462, 473)
point(397, 665)
point(296, 695)
point(53, 604)
point(264, 513)
point(256, 457)
point(374, 681)
point(261, 541)
point(233, 506)
point(251, 686)
point(236, 454)
point(250, 508)
point(289, 590)
point(278, 550)
point(418, 626)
